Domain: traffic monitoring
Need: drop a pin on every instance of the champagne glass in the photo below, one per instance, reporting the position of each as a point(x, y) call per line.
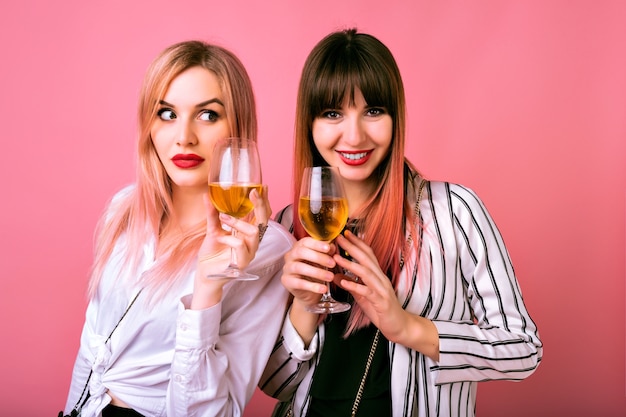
point(323, 212)
point(234, 172)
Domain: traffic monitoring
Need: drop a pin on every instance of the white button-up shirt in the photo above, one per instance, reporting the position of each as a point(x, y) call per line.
point(167, 360)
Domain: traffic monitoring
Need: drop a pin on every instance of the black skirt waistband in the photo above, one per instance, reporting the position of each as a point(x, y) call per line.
point(115, 411)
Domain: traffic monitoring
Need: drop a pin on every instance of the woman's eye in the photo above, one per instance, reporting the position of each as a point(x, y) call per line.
point(208, 116)
point(330, 114)
point(376, 111)
point(166, 114)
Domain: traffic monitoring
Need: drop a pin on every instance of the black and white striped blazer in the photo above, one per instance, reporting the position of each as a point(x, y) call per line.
point(465, 284)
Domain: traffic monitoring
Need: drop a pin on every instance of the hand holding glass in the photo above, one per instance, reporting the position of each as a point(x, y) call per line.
point(234, 172)
point(323, 212)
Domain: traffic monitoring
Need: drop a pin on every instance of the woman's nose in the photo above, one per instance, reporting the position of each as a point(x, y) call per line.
point(354, 132)
point(186, 135)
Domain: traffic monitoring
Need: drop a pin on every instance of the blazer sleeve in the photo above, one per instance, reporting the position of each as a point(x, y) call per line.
point(501, 340)
point(290, 359)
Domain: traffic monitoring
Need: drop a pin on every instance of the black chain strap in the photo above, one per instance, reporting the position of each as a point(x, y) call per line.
point(81, 402)
point(370, 357)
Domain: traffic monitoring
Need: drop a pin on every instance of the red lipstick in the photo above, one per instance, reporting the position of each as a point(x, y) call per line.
point(187, 160)
point(355, 158)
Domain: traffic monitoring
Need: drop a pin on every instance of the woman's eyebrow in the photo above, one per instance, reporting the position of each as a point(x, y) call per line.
point(213, 100)
point(204, 103)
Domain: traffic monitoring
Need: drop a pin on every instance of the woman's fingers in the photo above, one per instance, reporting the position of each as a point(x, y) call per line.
point(307, 269)
point(311, 251)
point(297, 283)
point(370, 284)
point(262, 208)
point(249, 231)
point(364, 265)
point(357, 248)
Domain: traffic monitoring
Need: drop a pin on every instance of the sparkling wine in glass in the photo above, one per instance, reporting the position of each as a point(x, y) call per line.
point(323, 212)
point(234, 172)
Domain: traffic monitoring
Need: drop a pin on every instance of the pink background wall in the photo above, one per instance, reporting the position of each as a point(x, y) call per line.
point(523, 101)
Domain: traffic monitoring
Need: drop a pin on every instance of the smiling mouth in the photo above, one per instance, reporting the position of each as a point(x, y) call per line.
point(354, 156)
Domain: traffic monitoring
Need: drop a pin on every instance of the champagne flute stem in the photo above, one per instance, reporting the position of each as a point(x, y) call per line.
point(233, 253)
point(326, 297)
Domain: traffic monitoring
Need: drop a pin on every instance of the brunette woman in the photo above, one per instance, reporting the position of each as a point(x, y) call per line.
point(436, 306)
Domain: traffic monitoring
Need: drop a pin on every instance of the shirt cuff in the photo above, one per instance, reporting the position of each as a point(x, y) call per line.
point(197, 329)
point(294, 343)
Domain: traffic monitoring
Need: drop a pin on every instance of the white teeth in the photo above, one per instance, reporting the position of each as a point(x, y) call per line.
point(354, 156)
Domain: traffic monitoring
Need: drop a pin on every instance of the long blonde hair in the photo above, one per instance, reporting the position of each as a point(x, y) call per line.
point(139, 215)
point(339, 64)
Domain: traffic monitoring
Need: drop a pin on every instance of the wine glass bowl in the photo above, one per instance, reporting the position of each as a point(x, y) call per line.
point(323, 219)
point(232, 199)
point(323, 213)
point(234, 172)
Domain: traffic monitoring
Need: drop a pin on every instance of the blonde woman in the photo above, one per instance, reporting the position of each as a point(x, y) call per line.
point(186, 345)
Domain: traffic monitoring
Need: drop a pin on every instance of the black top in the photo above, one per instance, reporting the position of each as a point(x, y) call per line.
point(341, 367)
